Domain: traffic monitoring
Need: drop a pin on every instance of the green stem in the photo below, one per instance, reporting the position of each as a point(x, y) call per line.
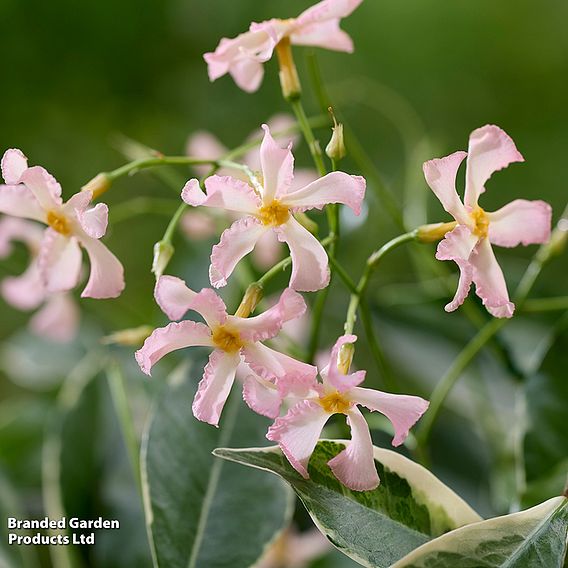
point(145, 163)
point(313, 144)
point(546, 304)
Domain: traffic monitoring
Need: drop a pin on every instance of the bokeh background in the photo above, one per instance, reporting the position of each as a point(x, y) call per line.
point(425, 74)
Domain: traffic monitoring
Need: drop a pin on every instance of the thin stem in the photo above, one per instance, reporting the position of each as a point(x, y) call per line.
point(313, 144)
point(145, 163)
point(546, 304)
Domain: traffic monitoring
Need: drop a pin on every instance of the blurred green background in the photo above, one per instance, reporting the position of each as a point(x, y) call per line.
point(425, 74)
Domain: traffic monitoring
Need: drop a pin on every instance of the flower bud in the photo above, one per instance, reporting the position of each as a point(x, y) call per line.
point(163, 252)
point(434, 232)
point(336, 148)
point(98, 185)
point(289, 80)
point(133, 337)
point(251, 299)
point(345, 357)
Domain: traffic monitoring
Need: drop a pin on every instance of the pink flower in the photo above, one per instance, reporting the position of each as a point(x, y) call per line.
point(270, 206)
point(233, 340)
point(469, 243)
point(32, 193)
point(243, 57)
point(298, 431)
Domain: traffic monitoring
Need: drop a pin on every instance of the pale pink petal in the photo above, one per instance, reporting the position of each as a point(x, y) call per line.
point(203, 145)
point(210, 307)
point(520, 222)
point(327, 35)
point(174, 336)
point(355, 465)
point(106, 279)
point(24, 292)
point(268, 251)
point(77, 203)
point(247, 74)
point(328, 10)
point(277, 166)
point(440, 175)
point(225, 192)
point(402, 410)
point(19, 201)
point(303, 177)
point(173, 296)
point(262, 396)
point(297, 433)
point(14, 164)
point(44, 186)
point(290, 305)
point(458, 246)
point(336, 187)
point(310, 268)
point(236, 242)
point(198, 226)
point(490, 283)
point(16, 229)
point(331, 373)
point(59, 261)
point(490, 150)
point(94, 221)
point(215, 386)
point(58, 320)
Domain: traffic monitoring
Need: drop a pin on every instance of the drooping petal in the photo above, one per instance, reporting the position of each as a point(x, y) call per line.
point(14, 229)
point(277, 167)
point(355, 465)
point(333, 376)
point(236, 242)
point(174, 336)
point(58, 320)
point(106, 279)
point(94, 221)
point(336, 187)
point(44, 186)
point(215, 386)
point(173, 296)
point(26, 291)
point(262, 396)
point(247, 74)
point(327, 35)
point(59, 261)
point(490, 283)
point(440, 175)
point(210, 307)
point(291, 305)
point(297, 433)
point(310, 269)
point(402, 410)
point(14, 164)
point(19, 201)
point(458, 246)
point(520, 222)
point(223, 192)
point(490, 150)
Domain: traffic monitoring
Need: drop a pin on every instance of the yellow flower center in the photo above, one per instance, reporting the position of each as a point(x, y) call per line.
point(227, 339)
point(335, 403)
point(274, 214)
point(58, 222)
point(481, 222)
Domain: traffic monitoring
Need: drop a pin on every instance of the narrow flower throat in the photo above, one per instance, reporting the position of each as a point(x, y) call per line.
point(274, 214)
point(481, 222)
point(58, 222)
point(227, 339)
point(335, 403)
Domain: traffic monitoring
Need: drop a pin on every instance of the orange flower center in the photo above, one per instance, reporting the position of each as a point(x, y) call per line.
point(481, 222)
point(274, 214)
point(58, 222)
point(335, 403)
point(227, 339)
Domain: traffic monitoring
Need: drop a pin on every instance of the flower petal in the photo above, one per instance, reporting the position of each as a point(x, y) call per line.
point(26, 291)
point(19, 201)
point(174, 336)
point(94, 221)
point(262, 396)
point(490, 283)
point(14, 164)
point(210, 307)
point(204, 145)
point(59, 261)
point(490, 150)
point(16, 229)
point(327, 35)
point(458, 246)
point(173, 296)
point(297, 433)
point(44, 186)
point(336, 187)
point(58, 320)
point(355, 465)
point(268, 251)
point(402, 410)
point(328, 10)
point(331, 373)
point(310, 269)
point(277, 166)
point(215, 386)
point(520, 222)
point(225, 192)
point(236, 242)
point(106, 279)
point(440, 175)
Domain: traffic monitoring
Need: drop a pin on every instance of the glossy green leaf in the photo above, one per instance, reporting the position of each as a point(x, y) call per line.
point(529, 539)
point(202, 511)
point(377, 527)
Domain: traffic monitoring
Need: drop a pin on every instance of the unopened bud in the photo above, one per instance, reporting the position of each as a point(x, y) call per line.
point(336, 148)
point(163, 252)
point(289, 80)
point(98, 185)
point(132, 337)
point(434, 232)
point(251, 299)
point(345, 357)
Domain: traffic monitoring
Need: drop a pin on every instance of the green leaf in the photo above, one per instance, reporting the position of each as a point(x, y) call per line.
point(377, 527)
point(533, 538)
point(202, 511)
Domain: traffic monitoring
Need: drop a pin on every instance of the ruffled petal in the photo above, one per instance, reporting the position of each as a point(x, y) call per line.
point(236, 242)
point(458, 246)
point(223, 192)
point(26, 291)
point(19, 201)
point(174, 336)
point(336, 187)
point(441, 175)
point(58, 320)
point(310, 268)
point(94, 221)
point(59, 261)
point(262, 396)
point(297, 433)
point(402, 410)
point(490, 283)
point(173, 296)
point(277, 166)
point(291, 305)
point(215, 386)
point(106, 279)
point(333, 376)
point(520, 222)
point(490, 150)
point(14, 164)
point(355, 465)
point(210, 307)
point(328, 10)
point(44, 186)
point(327, 35)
